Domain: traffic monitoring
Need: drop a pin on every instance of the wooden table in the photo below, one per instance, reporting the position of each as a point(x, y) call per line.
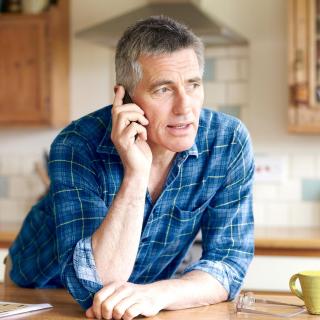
point(64, 307)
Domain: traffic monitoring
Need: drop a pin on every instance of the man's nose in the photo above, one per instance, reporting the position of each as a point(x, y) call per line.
point(181, 104)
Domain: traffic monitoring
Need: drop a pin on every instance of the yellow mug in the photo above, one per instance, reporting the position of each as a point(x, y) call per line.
point(310, 285)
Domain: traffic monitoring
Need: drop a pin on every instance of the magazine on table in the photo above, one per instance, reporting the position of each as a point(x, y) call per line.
point(13, 308)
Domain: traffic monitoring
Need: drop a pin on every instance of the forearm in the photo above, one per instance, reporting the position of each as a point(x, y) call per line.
point(194, 289)
point(116, 241)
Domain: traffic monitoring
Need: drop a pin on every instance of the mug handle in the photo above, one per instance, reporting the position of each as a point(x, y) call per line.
point(293, 288)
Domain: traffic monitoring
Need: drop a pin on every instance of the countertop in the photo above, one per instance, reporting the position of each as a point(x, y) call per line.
point(268, 240)
point(64, 307)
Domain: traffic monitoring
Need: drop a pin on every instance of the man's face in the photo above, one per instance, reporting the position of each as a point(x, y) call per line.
point(171, 95)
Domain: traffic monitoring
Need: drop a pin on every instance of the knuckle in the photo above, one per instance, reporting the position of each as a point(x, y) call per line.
point(123, 286)
point(120, 115)
point(106, 309)
point(129, 314)
point(114, 110)
point(97, 298)
point(118, 312)
point(134, 125)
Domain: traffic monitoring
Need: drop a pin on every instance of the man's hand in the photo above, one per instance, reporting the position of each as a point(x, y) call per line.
point(126, 301)
point(129, 135)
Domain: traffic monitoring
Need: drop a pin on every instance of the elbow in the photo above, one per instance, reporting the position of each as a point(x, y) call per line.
point(219, 294)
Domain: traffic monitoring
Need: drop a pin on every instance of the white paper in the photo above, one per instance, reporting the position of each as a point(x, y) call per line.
point(13, 308)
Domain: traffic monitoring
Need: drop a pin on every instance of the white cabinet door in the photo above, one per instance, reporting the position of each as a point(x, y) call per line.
point(272, 273)
point(266, 273)
point(3, 254)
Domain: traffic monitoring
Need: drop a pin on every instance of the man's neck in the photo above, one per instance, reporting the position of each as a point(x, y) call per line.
point(161, 163)
point(161, 158)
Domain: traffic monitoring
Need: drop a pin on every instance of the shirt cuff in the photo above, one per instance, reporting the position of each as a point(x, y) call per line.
point(219, 271)
point(85, 266)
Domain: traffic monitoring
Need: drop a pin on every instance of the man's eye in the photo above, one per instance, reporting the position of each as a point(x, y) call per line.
point(193, 85)
point(161, 90)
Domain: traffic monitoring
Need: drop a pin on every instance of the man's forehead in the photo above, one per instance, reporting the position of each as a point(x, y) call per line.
point(167, 64)
point(186, 53)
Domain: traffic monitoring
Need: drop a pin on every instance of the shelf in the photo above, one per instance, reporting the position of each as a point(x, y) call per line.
point(23, 16)
point(304, 129)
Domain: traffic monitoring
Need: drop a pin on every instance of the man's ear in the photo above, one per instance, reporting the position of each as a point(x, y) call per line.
point(115, 88)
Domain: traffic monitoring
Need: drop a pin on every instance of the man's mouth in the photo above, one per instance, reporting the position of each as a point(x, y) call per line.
point(179, 125)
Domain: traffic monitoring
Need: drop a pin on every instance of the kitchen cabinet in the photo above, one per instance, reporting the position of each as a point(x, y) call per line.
point(272, 273)
point(34, 67)
point(304, 66)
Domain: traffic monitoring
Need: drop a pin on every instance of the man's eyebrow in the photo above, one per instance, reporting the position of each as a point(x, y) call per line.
point(195, 79)
point(162, 82)
point(159, 83)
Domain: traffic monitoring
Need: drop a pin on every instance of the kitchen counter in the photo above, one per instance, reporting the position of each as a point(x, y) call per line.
point(64, 307)
point(284, 241)
point(288, 241)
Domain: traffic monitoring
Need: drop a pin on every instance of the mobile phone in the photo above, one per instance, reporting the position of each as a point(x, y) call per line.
point(127, 98)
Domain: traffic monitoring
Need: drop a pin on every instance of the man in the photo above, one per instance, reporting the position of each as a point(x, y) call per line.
point(132, 185)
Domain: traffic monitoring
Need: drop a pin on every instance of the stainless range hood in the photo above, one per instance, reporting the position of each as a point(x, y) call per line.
point(212, 32)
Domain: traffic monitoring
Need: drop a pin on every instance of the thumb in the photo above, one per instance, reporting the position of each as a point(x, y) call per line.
point(89, 313)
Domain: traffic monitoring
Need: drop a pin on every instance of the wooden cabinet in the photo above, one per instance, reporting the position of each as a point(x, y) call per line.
point(304, 66)
point(34, 67)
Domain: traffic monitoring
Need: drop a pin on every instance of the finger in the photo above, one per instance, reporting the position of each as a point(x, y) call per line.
point(90, 313)
point(120, 308)
point(133, 311)
point(109, 304)
point(133, 130)
point(118, 98)
point(100, 297)
point(116, 109)
point(125, 118)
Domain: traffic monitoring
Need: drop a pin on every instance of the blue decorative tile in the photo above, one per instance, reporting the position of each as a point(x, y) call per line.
point(231, 110)
point(209, 69)
point(4, 187)
point(311, 189)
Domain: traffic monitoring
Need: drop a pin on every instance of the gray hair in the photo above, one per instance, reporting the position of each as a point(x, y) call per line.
point(152, 36)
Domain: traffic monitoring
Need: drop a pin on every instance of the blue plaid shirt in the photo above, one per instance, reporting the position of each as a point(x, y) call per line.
point(209, 187)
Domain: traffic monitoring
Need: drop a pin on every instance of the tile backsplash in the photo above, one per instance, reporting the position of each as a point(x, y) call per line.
point(295, 201)
point(226, 79)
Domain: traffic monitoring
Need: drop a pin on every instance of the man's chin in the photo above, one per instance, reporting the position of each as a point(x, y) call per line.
point(180, 147)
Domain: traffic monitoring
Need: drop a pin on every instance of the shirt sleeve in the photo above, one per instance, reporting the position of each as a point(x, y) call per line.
point(227, 225)
point(78, 211)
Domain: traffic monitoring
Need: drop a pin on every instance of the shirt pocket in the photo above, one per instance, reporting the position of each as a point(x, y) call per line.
point(183, 225)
